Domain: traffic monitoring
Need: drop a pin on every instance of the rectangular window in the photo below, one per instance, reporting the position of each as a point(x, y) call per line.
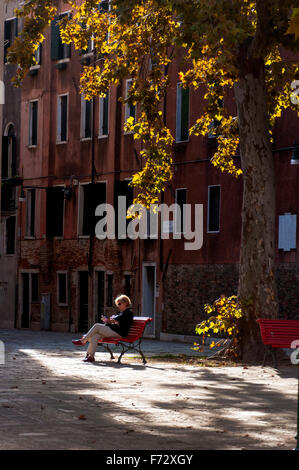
point(109, 290)
point(55, 212)
point(91, 195)
point(10, 33)
point(287, 232)
point(182, 113)
point(33, 122)
point(180, 214)
point(10, 235)
point(104, 116)
point(62, 118)
point(130, 109)
point(86, 118)
point(30, 213)
point(62, 297)
point(214, 208)
point(59, 50)
point(9, 156)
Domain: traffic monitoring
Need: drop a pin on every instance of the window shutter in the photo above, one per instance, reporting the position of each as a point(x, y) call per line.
point(5, 156)
point(185, 114)
point(15, 28)
point(55, 39)
point(14, 156)
point(34, 123)
point(105, 114)
point(88, 119)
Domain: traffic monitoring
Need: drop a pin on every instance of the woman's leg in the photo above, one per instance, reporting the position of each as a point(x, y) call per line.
point(95, 333)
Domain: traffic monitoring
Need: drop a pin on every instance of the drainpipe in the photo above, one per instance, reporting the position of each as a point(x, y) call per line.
point(91, 235)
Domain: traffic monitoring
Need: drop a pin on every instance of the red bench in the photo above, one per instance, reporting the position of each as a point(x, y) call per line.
point(132, 342)
point(278, 334)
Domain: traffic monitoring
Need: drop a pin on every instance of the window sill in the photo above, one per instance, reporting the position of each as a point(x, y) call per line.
point(62, 64)
point(85, 139)
point(61, 142)
point(34, 70)
point(104, 136)
point(31, 147)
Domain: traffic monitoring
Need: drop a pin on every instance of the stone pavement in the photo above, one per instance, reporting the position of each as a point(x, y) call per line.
point(47, 340)
point(51, 400)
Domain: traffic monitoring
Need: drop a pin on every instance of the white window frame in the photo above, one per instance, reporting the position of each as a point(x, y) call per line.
point(30, 144)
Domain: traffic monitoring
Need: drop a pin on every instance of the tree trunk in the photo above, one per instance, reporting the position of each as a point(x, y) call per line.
point(257, 285)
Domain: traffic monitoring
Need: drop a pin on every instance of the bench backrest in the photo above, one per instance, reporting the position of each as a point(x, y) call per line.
point(279, 333)
point(137, 328)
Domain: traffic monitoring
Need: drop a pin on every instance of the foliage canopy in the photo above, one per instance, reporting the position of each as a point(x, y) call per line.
point(139, 39)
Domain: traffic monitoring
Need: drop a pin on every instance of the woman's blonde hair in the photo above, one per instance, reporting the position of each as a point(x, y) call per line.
point(123, 298)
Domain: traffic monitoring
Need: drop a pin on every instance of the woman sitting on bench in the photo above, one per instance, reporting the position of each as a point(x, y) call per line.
point(116, 326)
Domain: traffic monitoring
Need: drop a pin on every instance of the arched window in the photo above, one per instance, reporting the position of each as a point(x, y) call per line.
point(9, 153)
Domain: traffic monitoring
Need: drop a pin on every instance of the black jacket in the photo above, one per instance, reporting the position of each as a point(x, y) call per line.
point(125, 320)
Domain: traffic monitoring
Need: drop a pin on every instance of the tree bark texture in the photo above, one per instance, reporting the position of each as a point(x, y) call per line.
point(257, 285)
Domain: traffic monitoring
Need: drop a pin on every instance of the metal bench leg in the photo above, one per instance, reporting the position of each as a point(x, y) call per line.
point(111, 353)
point(121, 354)
point(105, 346)
point(141, 353)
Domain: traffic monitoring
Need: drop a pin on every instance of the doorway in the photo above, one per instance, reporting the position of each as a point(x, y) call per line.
point(83, 301)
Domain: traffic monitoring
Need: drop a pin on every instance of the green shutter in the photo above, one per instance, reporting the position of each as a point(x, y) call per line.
point(105, 110)
point(55, 39)
point(185, 114)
